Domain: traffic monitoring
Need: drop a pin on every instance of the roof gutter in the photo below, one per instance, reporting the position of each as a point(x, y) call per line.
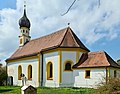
point(89, 67)
point(24, 56)
point(42, 69)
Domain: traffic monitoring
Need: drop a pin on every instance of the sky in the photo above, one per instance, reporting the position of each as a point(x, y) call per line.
point(97, 26)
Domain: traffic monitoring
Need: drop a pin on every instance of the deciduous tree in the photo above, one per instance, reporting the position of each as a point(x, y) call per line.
point(3, 75)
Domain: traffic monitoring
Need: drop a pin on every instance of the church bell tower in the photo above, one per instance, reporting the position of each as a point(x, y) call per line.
point(24, 24)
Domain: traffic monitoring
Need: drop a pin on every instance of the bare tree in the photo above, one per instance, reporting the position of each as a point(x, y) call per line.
point(69, 8)
point(99, 3)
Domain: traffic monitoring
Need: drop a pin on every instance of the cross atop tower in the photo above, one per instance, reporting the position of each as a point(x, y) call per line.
point(68, 24)
point(25, 4)
point(24, 24)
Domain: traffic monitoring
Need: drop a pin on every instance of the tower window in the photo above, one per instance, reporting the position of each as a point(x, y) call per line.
point(68, 66)
point(87, 74)
point(23, 31)
point(19, 72)
point(26, 31)
point(29, 72)
point(20, 41)
point(26, 40)
point(50, 71)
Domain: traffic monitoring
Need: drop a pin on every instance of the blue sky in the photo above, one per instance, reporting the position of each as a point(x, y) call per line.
point(97, 27)
point(7, 4)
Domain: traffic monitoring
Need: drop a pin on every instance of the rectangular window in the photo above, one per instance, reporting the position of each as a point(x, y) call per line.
point(115, 73)
point(87, 74)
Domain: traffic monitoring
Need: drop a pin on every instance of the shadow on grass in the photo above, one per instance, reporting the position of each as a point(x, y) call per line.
point(5, 90)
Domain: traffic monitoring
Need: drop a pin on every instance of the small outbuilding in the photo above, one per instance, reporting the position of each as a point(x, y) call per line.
point(28, 89)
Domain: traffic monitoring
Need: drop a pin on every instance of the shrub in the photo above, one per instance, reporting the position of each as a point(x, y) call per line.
point(111, 87)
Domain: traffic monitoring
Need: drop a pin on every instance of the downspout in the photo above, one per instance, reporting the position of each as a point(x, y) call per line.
point(39, 69)
point(106, 74)
point(42, 70)
point(6, 74)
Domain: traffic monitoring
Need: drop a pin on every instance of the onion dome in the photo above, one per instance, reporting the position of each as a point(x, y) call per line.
point(24, 21)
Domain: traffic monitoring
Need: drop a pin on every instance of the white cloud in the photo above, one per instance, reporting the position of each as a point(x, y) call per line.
point(87, 20)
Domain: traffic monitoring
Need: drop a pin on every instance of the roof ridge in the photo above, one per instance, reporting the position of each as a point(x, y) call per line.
point(75, 39)
point(48, 42)
point(109, 58)
point(97, 52)
point(71, 31)
point(96, 60)
point(64, 35)
point(79, 42)
point(60, 30)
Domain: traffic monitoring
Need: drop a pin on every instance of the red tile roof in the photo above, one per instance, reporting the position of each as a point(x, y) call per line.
point(95, 59)
point(62, 38)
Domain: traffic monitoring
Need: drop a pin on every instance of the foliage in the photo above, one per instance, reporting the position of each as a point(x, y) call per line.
point(0, 65)
point(111, 87)
point(3, 75)
point(17, 90)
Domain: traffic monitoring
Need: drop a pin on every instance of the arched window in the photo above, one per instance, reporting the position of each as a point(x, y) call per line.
point(50, 71)
point(26, 31)
point(19, 72)
point(68, 66)
point(29, 72)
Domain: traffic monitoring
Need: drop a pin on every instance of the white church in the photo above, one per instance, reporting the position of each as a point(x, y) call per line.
point(59, 59)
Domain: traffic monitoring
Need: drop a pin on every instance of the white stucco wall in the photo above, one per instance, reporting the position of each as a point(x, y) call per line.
point(96, 76)
point(112, 72)
point(54, 58)
point(67, 76)
point(12, 69)
point(74, 78)
point(51, 57)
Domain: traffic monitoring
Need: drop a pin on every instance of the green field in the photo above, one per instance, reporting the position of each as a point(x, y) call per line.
point(17, 90)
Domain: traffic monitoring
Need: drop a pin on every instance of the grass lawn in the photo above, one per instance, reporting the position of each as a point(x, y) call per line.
point(17, 90)
point(9, 90)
